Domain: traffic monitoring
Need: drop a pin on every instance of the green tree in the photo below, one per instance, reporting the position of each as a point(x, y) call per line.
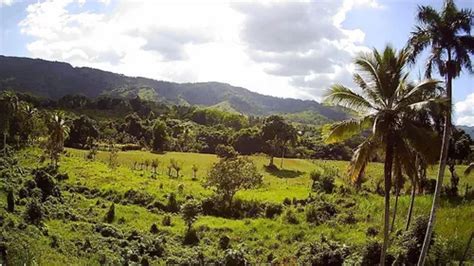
point(160, 136)
point(190, 210)
point(447, 33)
point(82, 129)
point(58, 131)
point(387, 97)
point(8, 106)
point(231, 175)
point(277, 134)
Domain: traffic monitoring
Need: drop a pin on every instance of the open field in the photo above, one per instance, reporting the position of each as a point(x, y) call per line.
point(260, 237)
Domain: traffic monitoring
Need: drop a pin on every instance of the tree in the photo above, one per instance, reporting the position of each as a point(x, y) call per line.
point(8, 105)
point(58, 131)
point(82, 129)
point(248, 141)
point(190, 210)
point(277, 134)
point(448, 34)
point(459, 150)
point(387, 97)
point(231, 175)
point(160, 136)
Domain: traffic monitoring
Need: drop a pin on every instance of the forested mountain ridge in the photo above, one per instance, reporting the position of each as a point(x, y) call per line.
point(56, 79)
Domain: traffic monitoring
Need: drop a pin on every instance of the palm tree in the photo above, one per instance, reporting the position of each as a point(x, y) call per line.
point(8, 106)
point(448, 34)
point(386, 98)
point(58, 130)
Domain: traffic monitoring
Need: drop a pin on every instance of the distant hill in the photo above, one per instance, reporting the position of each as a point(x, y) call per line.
point(468, 130)
point(56, 79)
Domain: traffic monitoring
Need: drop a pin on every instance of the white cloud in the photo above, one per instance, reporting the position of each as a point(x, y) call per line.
point(6, 2)
point(284, 49)
point(464, 111)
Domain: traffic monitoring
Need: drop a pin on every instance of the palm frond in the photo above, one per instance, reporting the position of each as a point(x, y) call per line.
point(344, 130)
point(340, 95)
point(362, 156)
point(469, 169)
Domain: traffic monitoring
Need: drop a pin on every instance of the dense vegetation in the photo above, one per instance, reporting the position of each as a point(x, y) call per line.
point(130, 177)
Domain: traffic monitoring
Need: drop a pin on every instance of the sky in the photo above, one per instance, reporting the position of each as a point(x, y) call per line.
point(293, 49)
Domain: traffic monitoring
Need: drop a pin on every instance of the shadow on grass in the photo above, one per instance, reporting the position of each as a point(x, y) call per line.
point(282, 173)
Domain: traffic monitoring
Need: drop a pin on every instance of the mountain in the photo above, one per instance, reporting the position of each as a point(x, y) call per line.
point(57, 79)
point(469, 130)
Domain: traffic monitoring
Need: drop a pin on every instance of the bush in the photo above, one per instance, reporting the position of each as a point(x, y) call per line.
point(289, 216)
point(10, 201)
point(323, 181)
point(272, 210)
point(172, 205)
point(110, 215)
point(190, 210)
point(34, 212)
point(166, 220)
point(234, 257)
point(323, 253)
point(412, 240)
point(138, 197)
point(224, 242)
point(154, 229)
point(320, 212)
point(191, 237)
point(372, 231)
point(225, 151)
point(45, 182)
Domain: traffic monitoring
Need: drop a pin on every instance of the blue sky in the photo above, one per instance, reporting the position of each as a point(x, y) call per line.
point(285, 49)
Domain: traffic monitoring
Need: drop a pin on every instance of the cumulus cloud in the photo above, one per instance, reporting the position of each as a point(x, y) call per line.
point(303, 41)
point(286, 49)
point(464, 111)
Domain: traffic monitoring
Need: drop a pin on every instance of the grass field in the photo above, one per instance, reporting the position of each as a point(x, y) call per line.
point(259, 237)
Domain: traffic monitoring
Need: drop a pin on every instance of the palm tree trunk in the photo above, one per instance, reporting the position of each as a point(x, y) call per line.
point(442, 167)
point(412, 202)
point(397, 194)
point(5, 144)
point(282, 156)
point(388, 179)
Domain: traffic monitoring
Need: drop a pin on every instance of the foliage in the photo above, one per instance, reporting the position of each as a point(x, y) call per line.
point(110, 216)
point(10, 201)
point(231, 175)
point(226, 152)
point(190, 210)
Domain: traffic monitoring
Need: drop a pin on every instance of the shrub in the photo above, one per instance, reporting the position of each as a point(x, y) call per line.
point(234, 257)
point(272, 210)
point(372, 231)
point(172, 205)
point(225, 151)
point(10, 201)
point(320, 212)
point(138, 197)
point(224, 242)
point(289, 216)
point(322, 181)
point(154, 229)
point(324, 252)
point(412, 240)
point(45, 182)
point(287, 201)
point(190, 210)
point(191, 237)
point(34, 212)
point(166, 220)
point(110, 215)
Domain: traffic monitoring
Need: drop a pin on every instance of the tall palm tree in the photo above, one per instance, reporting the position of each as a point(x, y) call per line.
point(8, 106)
point(58, 130)
point(386, 98)
point(448, 34)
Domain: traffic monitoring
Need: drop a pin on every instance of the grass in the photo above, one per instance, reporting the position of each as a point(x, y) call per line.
point(260, 237)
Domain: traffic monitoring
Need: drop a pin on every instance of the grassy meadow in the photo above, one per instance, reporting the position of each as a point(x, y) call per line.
point(262, 239)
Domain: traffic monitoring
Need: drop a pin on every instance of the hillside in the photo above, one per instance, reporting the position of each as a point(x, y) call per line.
point(469, 130)
point(56, 79)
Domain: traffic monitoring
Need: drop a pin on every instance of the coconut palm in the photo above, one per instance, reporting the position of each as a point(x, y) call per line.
point(387, 97)
point(8, 106)
point(447, 33)
point(58, 131)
